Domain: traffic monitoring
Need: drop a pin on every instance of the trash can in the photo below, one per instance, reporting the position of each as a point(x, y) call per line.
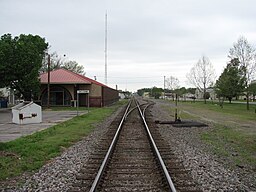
point(27, 113)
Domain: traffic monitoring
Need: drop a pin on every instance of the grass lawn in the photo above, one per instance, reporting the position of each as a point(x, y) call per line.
point(31, 152)
point(234, 129)
point(235, 109)
point(237, 146)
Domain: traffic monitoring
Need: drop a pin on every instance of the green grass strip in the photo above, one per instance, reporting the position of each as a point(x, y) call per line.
point(238, 144)
point(29, 153)
point(235, 109)
point(235, 145)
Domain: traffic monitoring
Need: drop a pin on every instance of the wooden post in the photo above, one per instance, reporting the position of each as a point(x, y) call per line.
point(48, 100)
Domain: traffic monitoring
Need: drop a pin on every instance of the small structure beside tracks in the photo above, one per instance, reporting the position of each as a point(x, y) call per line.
point(26, 113)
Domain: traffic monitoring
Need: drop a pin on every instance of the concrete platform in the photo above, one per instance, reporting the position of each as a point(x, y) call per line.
point(10, 131)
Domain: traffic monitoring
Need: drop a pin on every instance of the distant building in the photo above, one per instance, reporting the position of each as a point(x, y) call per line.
point(124, 94)
point(200, 94)
point(146, 94)
point(8, 93)
point(64, 86)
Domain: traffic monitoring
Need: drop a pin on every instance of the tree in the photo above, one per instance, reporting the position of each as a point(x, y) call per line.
point(58, 62)
point(20, 61)
point(252, 89)
point(231, 82)
point(180, 91)
point(73, 66)
point(191, 90)
point(202, 75)
point(156, 92)
point(153, 92)
point(1, 94)
point(140, 92)
point(172, 83)
point(246, 54)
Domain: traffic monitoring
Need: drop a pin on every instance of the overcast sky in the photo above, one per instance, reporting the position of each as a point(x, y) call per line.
point(147, 39)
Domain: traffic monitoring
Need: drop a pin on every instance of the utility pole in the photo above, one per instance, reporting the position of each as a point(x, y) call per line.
point(106, 73)
point(48, 85)
point(164, 87)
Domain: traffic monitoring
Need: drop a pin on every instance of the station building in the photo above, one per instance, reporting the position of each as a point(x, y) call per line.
point(65, 86)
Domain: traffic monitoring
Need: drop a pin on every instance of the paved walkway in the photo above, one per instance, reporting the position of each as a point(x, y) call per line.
point(10, 131)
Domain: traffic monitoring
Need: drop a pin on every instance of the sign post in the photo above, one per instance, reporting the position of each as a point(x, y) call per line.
point(82, 92)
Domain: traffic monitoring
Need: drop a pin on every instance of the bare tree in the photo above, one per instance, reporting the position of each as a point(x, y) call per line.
point(202, 75)
point(246, 54)
point(172, 83)
point(74, 66)
point(58, 62)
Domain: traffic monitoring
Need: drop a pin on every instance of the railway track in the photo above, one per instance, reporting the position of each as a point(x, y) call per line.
point(137, 159)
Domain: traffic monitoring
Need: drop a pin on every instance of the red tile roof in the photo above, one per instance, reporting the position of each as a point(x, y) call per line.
point(63, 76)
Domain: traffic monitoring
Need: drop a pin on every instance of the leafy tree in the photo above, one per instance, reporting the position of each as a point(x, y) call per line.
point(140, 92)
point(202, 75)
point(230, 83)
point(153, 92)
point(181, 91)
point(1, 94)
point(246, 54)
point(252, 89)
point(191, 90)
point(143, 90)
point(156, 92)
point(20, 61)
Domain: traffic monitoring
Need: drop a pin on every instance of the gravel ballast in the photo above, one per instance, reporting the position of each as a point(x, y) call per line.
point(206, 169)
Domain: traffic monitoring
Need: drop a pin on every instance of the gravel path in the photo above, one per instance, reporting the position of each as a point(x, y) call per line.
point(206, 168)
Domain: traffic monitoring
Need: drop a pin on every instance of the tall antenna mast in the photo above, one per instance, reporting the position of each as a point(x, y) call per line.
point(106, 73)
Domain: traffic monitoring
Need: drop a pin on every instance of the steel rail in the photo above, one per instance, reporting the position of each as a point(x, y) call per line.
point(143, 113)
point(163, 167)
point(110, 150)
point(144, 110)
point(131, 110)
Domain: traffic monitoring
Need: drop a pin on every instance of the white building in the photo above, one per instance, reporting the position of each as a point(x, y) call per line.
point(26, 113)
point(200, 94)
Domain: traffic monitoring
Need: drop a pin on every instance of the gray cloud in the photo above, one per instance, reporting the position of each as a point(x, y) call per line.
point(147, 39)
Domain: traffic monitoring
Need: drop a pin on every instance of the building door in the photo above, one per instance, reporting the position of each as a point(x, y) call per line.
point(59, 98)
point(83, 100)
